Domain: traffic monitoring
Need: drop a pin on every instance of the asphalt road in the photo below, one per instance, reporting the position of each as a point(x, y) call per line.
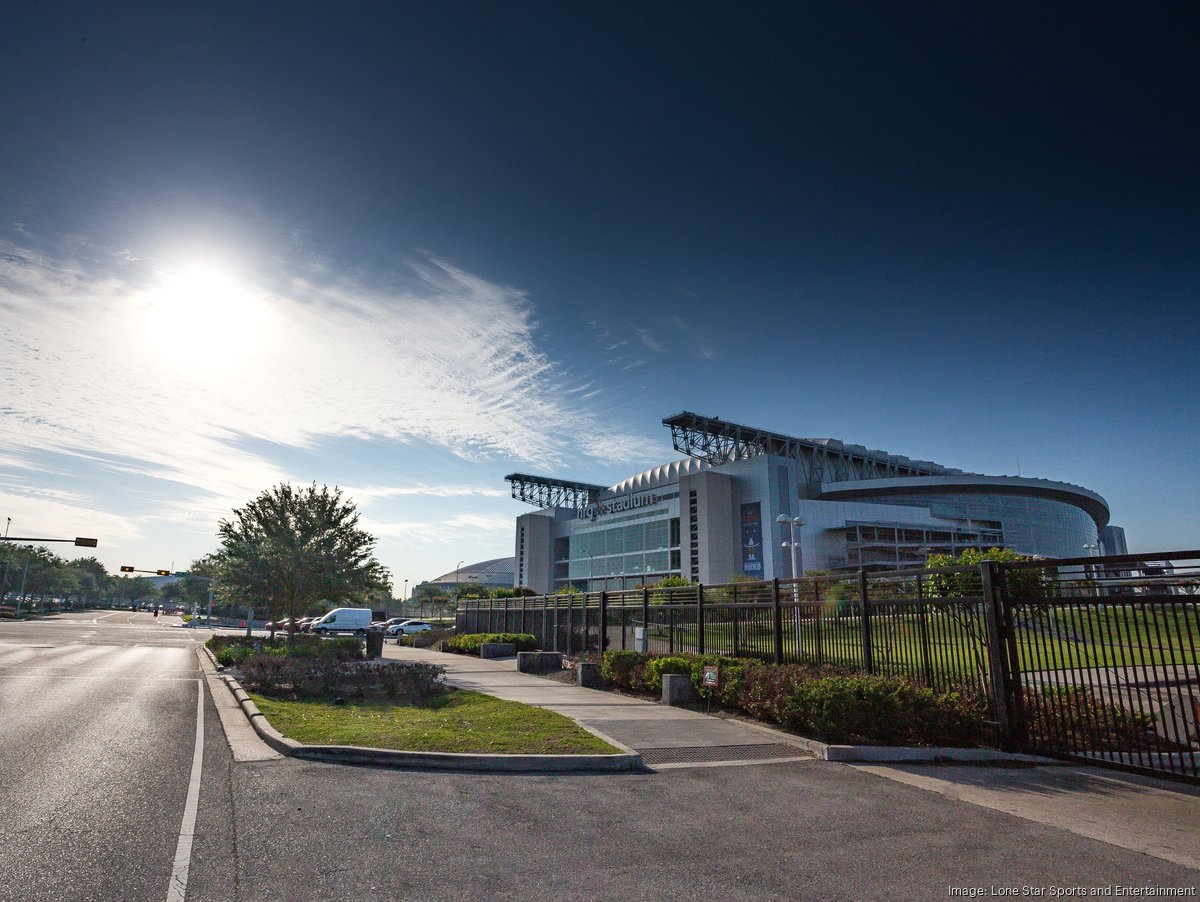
point(98, 720)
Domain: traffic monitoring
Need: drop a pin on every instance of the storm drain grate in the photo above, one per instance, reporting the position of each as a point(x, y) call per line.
point(710, 753)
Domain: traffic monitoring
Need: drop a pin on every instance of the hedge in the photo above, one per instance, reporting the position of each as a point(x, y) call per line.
point(230, 651)
point(830, 703)
point(315, 676)
point(470, 643)
point(425, 638)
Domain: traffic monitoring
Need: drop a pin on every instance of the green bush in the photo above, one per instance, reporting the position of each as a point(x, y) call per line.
point(618, 667)
point(656, 667)
point(883, 710)
point(231, 651)
point(731, 676)
point(1069, 718)
point(425, 639)
point(305, 677)
point(470, 643)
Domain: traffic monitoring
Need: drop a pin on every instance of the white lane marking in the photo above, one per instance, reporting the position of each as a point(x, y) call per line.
point(177, 888)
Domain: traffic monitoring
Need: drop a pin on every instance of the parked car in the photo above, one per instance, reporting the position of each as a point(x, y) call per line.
point(408, 627)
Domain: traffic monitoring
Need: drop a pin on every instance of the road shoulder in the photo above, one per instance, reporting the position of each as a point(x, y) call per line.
point(1156, 817)
point(244, 742)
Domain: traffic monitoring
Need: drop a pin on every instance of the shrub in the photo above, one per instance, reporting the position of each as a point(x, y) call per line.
point(1070, 718)
point(656, 667)
point(618, 667)
point(314, 676)
point(884, 710)
point(732, 674)
point(470, 643)
point(232, 650)
point(412, 681)
point(426, 639)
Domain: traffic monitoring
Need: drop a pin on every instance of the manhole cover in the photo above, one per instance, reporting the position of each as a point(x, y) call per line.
point(710, 753)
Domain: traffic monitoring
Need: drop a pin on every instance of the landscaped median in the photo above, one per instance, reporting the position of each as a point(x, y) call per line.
point(318, 699)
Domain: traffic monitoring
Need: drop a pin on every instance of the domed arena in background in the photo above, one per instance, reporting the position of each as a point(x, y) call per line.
point(495, 573)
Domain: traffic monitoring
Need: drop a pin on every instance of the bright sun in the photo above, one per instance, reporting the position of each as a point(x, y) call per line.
point(201, 313)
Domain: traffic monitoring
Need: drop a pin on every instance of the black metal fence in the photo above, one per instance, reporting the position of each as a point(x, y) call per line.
point(1096, 659)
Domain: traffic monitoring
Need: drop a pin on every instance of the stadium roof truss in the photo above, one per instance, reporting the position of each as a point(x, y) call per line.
point(542, 491)
point(718, 441)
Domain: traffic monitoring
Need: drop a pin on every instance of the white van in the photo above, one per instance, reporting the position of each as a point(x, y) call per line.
point(344, 620)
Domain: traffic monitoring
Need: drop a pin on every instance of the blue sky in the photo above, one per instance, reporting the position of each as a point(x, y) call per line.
point(406, 249)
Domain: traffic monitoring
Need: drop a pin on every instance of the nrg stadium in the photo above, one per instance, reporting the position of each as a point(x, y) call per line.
point(716, 514)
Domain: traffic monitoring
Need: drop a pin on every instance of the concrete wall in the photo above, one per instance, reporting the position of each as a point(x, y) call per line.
point(718, 541)
point(534, 549)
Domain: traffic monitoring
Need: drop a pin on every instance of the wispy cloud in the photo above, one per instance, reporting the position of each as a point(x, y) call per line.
point(693, 339)
point(649, 340)
point(375, 492)
point(451, 360)
point(449, 529)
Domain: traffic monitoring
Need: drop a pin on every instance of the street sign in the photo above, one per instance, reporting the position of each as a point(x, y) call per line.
point(85, 543)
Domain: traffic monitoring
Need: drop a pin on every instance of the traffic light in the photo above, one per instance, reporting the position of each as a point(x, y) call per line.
point(162, 572)
point(126, 569)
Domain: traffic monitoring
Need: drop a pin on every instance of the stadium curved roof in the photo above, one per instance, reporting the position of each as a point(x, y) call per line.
point(1087, 500)
point(664, 474)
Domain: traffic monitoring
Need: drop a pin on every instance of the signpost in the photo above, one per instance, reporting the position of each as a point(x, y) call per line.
point(710, 680)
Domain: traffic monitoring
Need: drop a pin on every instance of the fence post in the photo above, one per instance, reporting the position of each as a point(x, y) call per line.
point(523, 629)
point(670, 626)
point(645, 617)
point(700, 617)
point(571, 621)
point(817, 620)
point(923, 626)
point(557, 606)
point(865, 622)
point(506, 615)
point(603, 621)
point(733, 611)
point(992, 615)
point(777, 620)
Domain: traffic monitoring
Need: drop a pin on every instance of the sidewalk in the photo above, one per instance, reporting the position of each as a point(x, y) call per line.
point(664, 735)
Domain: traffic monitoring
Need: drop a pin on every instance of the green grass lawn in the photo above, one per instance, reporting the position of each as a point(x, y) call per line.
point(459, 721)
point(1076, 638)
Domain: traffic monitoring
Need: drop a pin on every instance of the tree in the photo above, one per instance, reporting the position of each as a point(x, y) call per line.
point(138, 588)
point(90, 578)
point(290, 548)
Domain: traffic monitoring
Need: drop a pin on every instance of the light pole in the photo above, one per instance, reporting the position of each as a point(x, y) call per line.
point(1094, 551)
point(457, 590)
point(793, 523)
point(7, 524)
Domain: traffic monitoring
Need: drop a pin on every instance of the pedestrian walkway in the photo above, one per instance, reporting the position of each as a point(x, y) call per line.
point(664, 735)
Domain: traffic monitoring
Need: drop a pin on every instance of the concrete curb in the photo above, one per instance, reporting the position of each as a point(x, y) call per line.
point(626, 762)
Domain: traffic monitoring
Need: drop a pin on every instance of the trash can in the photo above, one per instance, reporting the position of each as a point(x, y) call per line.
point(374, 643)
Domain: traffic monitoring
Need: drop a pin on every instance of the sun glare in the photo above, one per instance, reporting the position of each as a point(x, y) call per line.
point(201, 313)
